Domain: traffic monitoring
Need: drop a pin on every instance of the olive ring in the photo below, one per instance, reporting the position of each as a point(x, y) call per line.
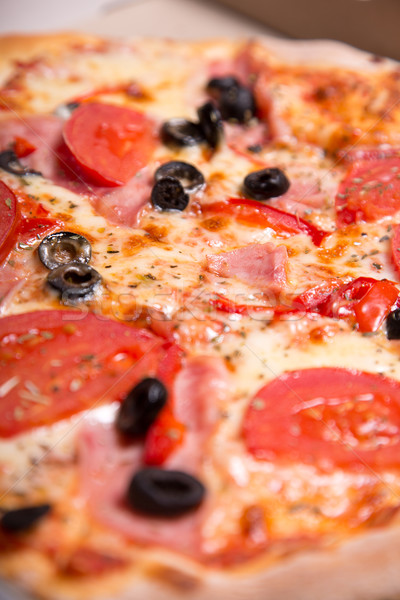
point(64, 247)
point(74, 281)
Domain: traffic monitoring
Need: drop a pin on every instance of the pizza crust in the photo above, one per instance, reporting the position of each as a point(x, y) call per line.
point(363, 568)
point(22, 47)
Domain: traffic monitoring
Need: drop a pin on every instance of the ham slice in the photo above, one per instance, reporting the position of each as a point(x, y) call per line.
point(106, 468)
point(107, 464)
point(52, 158)
point(262, 265)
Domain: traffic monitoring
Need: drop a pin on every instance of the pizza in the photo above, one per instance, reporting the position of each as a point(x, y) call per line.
point(200, 319)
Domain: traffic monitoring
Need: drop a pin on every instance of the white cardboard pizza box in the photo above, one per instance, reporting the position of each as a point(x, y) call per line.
point(129, 18)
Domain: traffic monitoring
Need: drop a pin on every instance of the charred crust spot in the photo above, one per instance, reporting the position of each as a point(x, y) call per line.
point(254, 525)
point(88, 562)
point(174, 578)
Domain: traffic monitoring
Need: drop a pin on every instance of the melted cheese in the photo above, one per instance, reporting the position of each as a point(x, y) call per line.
point(160, 266)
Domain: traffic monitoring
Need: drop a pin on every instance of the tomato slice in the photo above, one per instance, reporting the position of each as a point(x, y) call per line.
point(23, 147)
point(312, 298)
point(332, 417)
point(368, 301)
point(59, 362)
point(395, 247)
point(256, 214)
point(9, 216)
point(166, 433)
point(370, 190)
point(374, 307)
point(226, 305)
point(163, 437)
point(111, 143)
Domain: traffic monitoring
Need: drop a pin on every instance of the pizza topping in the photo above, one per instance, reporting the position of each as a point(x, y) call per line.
point(332, 417)
point(263, 265)
point(395, 247)
point(106, 469)
point(8, 219)
point(370, 191)
point(83, 361)
point(169, 194)
point(235, 101)
point(211, 124)
point(366, 300)
point(22, 519)
point(265, 184)
point(74, 281)
point(141, 407)
point(218, 85)
point(111, 143)
point(163, 493)
point(64, 247)
point(23, 147)
point(181, 132)
point(9, 162)
point(187, 174)
point(393, 325)
point(256, 214)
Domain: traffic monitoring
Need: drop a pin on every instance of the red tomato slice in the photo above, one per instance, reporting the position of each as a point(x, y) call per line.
point(23, 147)
point(166, 433)
point(395, 245)
point(375, 306)
point(331, 417)
point(370, 190)
point(163, 437)
point(229, 306)
point(368, 301)
point(256, 214)
point(111, 143)
point(9, 216)
point(29, 231)
point(317, 295)
point(57, 363)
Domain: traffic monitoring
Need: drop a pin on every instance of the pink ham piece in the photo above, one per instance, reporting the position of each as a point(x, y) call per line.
point(107, 464)
point(262, 265)
point(53, 159)
point(106, 468)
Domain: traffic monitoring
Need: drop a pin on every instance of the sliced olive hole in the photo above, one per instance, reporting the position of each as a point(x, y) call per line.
point(76, 278)
point(65, 253)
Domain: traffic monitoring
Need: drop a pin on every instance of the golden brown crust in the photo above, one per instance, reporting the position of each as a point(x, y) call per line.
point(25, 47)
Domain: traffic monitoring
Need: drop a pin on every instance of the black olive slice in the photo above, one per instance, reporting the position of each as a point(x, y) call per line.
point(141, 407)
point(162, 493)
point(9, 162)
point(168, 194)
point(218, 85)
point(265, 184)
point(22, 519)
point(63, 247)
point(74, 281)
point(393, 325)
point(181, 132)
point(190, 177)
point(237, 104)
point(211, 124)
